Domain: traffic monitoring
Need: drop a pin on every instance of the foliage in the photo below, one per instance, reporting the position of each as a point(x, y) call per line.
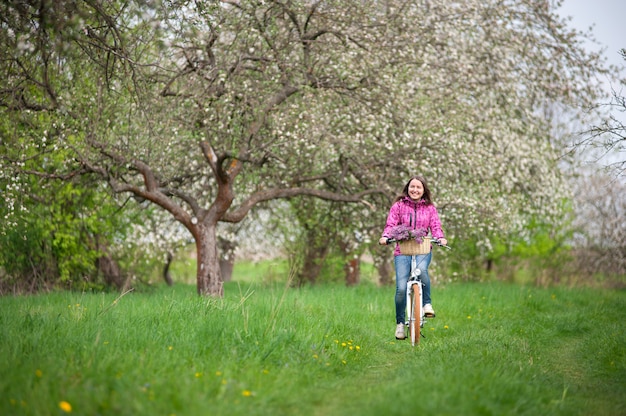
point(600, 229)
point(56, 239)
point(57, 225)
point(53, 231)
point(494, 348)
point(208, 109)
point(541, 246)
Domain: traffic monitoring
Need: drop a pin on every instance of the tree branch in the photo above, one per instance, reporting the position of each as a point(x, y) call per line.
point(269, 194)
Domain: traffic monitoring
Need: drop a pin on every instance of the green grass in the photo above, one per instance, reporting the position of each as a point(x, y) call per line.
point(266, 271)
point(494, 349)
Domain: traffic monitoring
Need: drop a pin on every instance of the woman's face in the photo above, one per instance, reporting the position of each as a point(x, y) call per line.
point(416, 190)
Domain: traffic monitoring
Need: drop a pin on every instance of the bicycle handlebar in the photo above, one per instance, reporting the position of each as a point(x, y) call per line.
point(433, 240)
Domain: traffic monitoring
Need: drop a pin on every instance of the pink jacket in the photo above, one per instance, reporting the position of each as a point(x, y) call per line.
point(415, 214)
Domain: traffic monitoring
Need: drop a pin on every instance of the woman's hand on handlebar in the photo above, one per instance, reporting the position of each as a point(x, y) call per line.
point(385, 241)
point(442, 242)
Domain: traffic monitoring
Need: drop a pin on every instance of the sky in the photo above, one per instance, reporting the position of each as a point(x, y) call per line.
point(608, 18)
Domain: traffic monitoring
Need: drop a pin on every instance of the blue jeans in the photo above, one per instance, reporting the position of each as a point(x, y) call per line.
point(403, 272)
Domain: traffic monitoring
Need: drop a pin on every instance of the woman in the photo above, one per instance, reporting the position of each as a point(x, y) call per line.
point(414, 208)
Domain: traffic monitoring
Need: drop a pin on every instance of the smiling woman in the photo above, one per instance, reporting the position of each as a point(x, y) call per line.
point(413, 209)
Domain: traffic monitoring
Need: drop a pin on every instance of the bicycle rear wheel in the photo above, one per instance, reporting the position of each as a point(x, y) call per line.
point(416, 307)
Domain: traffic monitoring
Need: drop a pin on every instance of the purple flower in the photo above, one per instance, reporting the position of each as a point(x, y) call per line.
point(404, 232)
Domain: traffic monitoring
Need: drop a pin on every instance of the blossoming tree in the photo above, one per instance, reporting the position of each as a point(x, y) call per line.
point(207, 109)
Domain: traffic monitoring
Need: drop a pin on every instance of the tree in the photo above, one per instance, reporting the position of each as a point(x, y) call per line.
point(207, 109)
point(599, 200)
point(607, 138)
point(600, 227)
point(217, 89)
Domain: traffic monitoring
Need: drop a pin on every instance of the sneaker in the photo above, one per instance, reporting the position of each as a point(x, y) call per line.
point(400, 331)
point(429, 312)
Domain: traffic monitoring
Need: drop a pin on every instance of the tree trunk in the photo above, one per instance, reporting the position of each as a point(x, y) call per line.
point(226, 268)
point(166, 270)
point(111, 271)
point(208, 274)
point(385, 270)
point(353, 271)
point(312, 265)
point(227, 257)
point(352, 267)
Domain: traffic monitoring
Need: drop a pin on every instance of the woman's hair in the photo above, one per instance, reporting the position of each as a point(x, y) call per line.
point(426, 197)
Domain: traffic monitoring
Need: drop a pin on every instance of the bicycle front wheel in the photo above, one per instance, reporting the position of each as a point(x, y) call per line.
point(417, 315)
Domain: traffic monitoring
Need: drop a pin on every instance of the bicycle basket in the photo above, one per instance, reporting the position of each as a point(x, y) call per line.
point(412, 247)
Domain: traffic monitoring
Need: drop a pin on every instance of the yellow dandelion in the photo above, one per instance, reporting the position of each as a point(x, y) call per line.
point(246, 393)
point(358, 348)
point(170, 348)
point(65, 406)
point(336, 341)
point(469, 316)
point(343, 344)
point(38, 373)
point(198, 375)
point(445, 327)
point(344, 362)
point(432, 328)
point(218, 373)
point(351, 347)
point(315, 356)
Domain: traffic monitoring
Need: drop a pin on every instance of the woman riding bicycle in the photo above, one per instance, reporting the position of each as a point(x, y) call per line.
point(413, 208)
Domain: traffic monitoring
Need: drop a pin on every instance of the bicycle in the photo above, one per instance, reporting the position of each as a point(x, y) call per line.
point(414, 296)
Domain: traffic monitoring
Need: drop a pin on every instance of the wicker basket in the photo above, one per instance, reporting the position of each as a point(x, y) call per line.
point(412, 247)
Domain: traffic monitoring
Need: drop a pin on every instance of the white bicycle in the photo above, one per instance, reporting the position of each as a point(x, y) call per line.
point(415, 317)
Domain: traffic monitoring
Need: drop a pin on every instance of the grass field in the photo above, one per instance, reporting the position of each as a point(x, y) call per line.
point(494, 349)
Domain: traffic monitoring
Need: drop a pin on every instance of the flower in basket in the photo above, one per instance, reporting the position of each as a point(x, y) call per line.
point(403, 232)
